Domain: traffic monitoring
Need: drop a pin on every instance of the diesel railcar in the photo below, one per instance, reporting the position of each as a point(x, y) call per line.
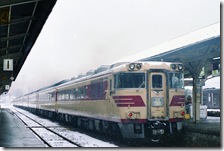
point(137, 99)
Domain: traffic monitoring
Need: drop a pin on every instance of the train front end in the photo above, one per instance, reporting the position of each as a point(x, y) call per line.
point(150, 99)
point(166, 100)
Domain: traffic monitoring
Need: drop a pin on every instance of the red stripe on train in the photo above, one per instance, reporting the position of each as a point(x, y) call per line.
point(132, 101)
point(177, 100)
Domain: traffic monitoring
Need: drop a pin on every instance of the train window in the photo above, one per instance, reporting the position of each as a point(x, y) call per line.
point(176, 80)
point(97, 89)
point(63, 96)
point(77, 93)
point(129, 80)
point(214, 100)
point(157, 81)
point(82, 92)
point(72, 95)
point(49, 97)
point(209, 97)
point(110, 85)
point(66, 96)
point(53, 98)
point(59, 96)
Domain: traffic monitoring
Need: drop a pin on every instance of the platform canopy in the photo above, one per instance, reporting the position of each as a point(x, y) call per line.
point(197, 50)
point(21, 21)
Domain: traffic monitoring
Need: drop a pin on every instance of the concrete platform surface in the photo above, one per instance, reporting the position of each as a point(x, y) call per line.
point(13, 133)
point(203, 133)
point(210, 125)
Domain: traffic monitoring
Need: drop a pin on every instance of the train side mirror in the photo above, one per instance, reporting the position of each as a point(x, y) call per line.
point(189, 99)
point(112, 92)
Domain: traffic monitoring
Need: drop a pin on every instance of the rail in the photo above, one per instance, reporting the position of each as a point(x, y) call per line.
point(48, 136)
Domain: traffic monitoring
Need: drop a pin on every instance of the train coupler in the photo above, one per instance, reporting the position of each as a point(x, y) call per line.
point(157, 130)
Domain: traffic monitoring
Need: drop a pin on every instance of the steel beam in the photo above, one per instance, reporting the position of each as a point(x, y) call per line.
point(14, 37)
point(6, 3)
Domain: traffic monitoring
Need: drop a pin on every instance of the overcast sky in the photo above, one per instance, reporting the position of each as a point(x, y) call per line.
point(80, 35)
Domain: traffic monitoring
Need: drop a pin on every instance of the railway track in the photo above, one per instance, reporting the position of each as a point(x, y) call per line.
point(46, 133)
point(51, 136)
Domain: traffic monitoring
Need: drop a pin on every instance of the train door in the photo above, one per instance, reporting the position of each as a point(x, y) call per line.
point(110, 94)
point(157, 96)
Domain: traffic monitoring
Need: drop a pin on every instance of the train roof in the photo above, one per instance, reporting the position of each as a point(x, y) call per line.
point(103, 69)
point(48, 87)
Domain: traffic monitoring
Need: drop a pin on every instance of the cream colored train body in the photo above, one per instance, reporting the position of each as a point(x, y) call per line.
point(139, 100)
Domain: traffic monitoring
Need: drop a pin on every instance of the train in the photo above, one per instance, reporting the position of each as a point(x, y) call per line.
point(212, 99)
point(139, 100)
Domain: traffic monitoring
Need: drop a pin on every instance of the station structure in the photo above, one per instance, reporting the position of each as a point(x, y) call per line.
point(21, 22)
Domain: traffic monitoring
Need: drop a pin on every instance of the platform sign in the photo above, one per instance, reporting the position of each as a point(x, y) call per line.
point(8, 65)
point(7, 87)
point(4, 15)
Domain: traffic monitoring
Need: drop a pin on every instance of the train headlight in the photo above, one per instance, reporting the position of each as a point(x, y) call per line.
point(180, 67)
point(132, 66)
point(139, 66)
point(173, 66)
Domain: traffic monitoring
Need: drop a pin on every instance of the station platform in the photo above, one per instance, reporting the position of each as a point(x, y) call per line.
point(203, 133)
point(210, 125)
point(13, 133)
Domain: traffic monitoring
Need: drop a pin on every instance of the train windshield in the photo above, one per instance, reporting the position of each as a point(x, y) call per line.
point(129, 80)
point(176, 80)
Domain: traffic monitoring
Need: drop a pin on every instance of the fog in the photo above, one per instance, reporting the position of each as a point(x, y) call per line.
point(80, 35)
